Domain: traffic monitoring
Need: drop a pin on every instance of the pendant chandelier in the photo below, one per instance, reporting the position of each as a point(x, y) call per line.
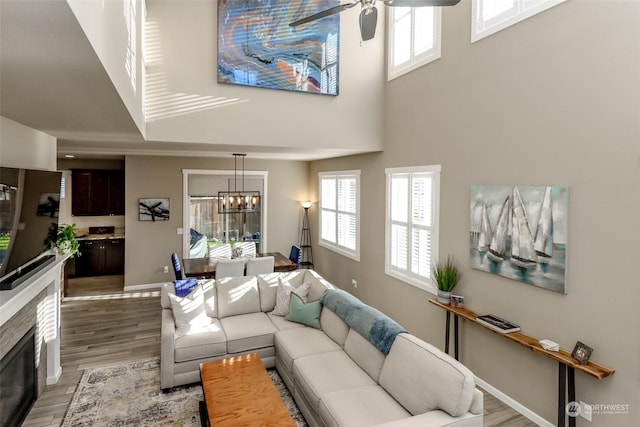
point(238, 201)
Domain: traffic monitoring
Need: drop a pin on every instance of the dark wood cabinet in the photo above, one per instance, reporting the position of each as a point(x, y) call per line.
point(97, 192)
point(100, 257)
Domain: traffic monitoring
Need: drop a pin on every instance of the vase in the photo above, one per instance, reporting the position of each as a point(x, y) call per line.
point(444, 297)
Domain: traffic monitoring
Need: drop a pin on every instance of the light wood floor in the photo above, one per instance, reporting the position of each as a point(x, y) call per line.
point(102, 325)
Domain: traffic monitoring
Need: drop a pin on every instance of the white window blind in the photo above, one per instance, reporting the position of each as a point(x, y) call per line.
point(491, 16)
point(414, 38)
point(340, 212)
point(412, 224)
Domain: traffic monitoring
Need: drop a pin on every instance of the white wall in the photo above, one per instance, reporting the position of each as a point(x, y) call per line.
point(182, 62)
point(24, 147)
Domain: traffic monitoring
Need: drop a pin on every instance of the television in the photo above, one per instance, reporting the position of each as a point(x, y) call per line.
point(29, 207)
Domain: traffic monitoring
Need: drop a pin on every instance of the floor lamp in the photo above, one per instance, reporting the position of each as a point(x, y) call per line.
point(305, 239)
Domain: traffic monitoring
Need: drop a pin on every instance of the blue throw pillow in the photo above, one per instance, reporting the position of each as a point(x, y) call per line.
point(307, 314)
point(185, 286)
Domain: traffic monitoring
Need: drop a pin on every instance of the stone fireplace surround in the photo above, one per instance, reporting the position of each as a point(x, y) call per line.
point(35, 302)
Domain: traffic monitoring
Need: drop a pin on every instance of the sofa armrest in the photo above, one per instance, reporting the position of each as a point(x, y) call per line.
point(477, 404)
point(167, 348)
point(437, 418)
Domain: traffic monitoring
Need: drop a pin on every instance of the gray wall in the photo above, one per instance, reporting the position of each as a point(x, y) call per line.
point(149, 244)
point(554, 100)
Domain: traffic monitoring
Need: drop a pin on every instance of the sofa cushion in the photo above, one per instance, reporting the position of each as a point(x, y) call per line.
point(283, 296)
point(189, 311)
point(281, 323)
point(318, 284)
point(294, 343)
point(360, 407)
point(206, 342)
point(306, 314)
point(248, 332)
point(365, 354)
point(435, 380)
point(323, 373)
point(333, 326)
point(268, 284)
point(237, 295)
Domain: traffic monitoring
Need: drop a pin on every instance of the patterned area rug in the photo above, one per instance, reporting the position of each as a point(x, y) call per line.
point(129, 394)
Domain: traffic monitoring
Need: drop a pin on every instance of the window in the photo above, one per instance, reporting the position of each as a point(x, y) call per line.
point(340, 212)
point(414, 38)
point(491, 16)
point(411, 237)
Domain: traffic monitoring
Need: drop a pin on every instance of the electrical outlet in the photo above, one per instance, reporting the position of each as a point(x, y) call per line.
point(166, 268)
point(585, 411)
point(354, 282)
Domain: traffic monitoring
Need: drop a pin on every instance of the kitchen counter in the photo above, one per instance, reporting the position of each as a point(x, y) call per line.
point(99, 236)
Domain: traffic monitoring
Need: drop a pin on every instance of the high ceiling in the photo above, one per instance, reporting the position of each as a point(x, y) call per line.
point(52, 80)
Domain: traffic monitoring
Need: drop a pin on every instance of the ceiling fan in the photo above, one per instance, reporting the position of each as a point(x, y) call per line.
point(369, 13)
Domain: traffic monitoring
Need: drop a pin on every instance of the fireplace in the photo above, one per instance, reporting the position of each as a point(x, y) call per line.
point(18, 381)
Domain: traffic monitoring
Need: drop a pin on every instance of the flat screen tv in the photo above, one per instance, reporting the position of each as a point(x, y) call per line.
point(29, 206)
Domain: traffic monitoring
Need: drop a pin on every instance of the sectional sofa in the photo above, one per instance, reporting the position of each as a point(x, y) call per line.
point(353, 366)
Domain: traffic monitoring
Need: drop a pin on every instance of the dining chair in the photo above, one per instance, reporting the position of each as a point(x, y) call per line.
point(260, 265)
point(248, 249)
point(220, 250)
point(296, 255)
point(230, 267)
point(177, 268)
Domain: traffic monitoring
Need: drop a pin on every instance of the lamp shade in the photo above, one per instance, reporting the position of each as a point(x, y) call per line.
point(306, 205)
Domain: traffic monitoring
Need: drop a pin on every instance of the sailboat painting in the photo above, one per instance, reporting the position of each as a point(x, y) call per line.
point(520, 232)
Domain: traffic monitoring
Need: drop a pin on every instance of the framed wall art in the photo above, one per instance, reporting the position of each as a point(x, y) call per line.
point(153, 209)
point(257, 47)
point(520, 232)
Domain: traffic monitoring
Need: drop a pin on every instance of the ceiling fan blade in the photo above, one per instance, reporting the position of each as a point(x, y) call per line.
point(324, 13)
point(420, 3)
point(368, 21)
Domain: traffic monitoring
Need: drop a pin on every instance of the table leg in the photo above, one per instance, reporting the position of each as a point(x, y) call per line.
point(562, 380)
point(455, 335)
point(572, 391)
point(446, 333)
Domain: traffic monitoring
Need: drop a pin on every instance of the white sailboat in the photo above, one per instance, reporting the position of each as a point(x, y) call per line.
point(523, 254)
point(543, 243)
point(498, 245)
point(486, 234)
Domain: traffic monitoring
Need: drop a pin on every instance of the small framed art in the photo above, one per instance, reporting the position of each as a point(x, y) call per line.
point(153, 209)
point(582, 352)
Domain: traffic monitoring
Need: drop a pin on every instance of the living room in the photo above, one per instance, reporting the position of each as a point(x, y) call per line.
point(553, 100)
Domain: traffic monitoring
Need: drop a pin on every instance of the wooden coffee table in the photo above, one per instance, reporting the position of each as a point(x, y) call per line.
point(239, 392)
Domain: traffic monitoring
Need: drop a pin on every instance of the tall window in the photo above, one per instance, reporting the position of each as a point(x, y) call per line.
point(340, 212)
point(411, 238)
point(491, 16)
point(414, 38)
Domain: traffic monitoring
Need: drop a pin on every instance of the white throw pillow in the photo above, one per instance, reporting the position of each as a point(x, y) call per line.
point(283, 296)
point(189, 312)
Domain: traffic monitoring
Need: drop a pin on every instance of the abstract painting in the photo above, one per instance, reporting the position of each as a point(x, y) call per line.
point(257, 47)
point(153, 210)
point(520, 232)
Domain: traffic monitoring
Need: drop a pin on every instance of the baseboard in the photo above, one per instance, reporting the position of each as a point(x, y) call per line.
point(512, 403)
point(143, 287)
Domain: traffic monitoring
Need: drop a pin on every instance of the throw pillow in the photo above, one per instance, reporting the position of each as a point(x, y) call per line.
point(307, 314)
point(189, 312)
point(283, 296)
point(184, 287)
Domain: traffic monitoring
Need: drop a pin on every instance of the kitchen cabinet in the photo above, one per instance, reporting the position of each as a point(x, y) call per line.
point(100, 257)
point(97, 192)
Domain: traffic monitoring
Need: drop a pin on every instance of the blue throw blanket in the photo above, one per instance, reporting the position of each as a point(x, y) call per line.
point(184, 287)
point(375, 326)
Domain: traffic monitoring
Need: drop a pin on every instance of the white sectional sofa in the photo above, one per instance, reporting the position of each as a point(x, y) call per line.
point(360, 368)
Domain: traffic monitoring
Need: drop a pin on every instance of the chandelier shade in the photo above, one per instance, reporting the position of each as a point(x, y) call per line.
point(238, 200)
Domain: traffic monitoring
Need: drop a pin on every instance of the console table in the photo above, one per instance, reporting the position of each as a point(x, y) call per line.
point(567, 365)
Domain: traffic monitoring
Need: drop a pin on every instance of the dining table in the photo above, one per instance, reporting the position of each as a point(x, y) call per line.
point(206, 267)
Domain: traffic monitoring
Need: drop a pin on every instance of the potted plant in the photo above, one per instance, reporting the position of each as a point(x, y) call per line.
point(63, 239)
point(446, 275)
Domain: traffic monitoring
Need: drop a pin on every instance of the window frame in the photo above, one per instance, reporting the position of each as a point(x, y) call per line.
point(420, 282)
point(415, 61)
point(481, 29)
point(336, 247)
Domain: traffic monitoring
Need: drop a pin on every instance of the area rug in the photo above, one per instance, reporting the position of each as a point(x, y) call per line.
point(129, 394)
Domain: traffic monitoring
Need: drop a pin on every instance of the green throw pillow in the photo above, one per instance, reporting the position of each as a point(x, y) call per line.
point(307, 314)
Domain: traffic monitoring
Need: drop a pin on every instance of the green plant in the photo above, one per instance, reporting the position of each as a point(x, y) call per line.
point(65, 239)
point(446, 274)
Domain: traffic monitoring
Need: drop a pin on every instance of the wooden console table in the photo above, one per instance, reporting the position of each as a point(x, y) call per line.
point(566, 363)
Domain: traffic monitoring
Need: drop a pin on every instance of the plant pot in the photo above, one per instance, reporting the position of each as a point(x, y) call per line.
point(444, 297)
